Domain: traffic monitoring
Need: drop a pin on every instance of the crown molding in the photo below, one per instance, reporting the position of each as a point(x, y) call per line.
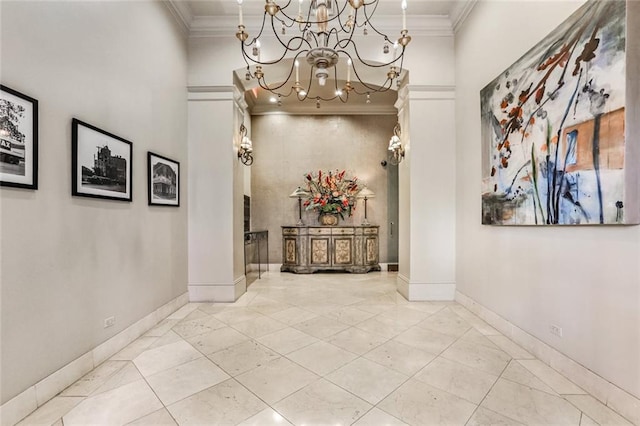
point(460, 13)
point(182, 14)
point(419, 25)
point(420, 92)
point(326, 110)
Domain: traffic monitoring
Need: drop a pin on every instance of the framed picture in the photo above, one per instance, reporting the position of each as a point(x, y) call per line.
point(101, 163)
point(18, 139)
point(163, 181)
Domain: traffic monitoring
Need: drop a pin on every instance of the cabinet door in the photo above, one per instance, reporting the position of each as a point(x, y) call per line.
point(371, 251)
point(319, 250)
point(290, 251)
point(342, 250)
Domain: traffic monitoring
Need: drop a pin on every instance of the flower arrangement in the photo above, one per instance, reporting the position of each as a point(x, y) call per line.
point(331, 192)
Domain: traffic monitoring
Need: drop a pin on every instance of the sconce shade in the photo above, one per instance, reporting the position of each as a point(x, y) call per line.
point(245, 151)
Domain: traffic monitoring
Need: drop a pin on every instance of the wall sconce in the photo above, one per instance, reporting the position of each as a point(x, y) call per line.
point(245, 152)
point(365, 194)
point(299, 193)
point(396, 151)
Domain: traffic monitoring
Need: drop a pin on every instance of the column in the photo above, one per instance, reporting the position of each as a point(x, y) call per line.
point(427, 193)
point(216, 179)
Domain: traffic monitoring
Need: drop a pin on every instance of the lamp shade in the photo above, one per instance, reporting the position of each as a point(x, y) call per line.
point(366, 193)
point(299, 192)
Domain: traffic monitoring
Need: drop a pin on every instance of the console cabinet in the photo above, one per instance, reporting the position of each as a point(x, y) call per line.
point(308, 249)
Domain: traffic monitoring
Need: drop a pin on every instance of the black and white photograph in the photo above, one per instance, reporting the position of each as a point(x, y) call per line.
point(101, 163)
point(18, 139)
point(163, 180)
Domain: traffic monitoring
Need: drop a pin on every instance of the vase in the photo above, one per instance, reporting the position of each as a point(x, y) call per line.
point(328, 219)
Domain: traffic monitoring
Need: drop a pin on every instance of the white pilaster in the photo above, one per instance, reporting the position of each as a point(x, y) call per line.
point(427, 193)
point(216, 272)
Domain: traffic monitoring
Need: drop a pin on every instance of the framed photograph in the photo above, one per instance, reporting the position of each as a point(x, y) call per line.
point(101, 163)
point(163, 181)
point(18, 139)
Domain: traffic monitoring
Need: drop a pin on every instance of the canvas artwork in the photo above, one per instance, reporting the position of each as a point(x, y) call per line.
point(555, 128)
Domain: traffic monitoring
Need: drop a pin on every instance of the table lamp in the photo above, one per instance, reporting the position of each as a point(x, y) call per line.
point(365, 194)
point(299, 193)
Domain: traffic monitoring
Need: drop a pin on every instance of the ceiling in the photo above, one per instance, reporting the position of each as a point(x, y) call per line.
point(220, 17)
point(386, 7)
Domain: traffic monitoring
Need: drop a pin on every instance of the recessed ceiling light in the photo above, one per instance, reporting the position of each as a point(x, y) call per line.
point(273, 100)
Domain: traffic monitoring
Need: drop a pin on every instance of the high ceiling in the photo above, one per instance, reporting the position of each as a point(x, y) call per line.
point(202, 17)
point(386, 7)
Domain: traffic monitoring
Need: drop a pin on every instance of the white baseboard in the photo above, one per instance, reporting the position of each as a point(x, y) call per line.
point(609, 394)
point(17, 408)
point(202, 293)
point(420, 292)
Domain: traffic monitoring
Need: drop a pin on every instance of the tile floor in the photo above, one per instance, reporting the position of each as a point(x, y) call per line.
point(323, 349)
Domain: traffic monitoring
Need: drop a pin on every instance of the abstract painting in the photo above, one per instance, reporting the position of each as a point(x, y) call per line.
point(555, 127)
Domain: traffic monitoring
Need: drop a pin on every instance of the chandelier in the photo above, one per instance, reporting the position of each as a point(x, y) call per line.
point(321, 33)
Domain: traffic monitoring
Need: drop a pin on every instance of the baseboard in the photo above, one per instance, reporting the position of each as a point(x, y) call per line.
point(17, 408)
point(203, 293)
point(420, 292)
point(609, 394)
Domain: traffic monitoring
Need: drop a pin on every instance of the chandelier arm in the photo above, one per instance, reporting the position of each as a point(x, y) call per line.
point(368, 18)
point(290, 22)
point(334, 31)
point(276, 87)
point(339, 93)
point(326, 99)
point(253, 40)
point(362, 61)
point(373, 88)
point(342, 27)
point(284, 53)
point(282, 94)
point(287, 45)
point(306, 95)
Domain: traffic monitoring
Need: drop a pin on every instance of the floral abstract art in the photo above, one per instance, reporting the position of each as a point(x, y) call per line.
point(559, 144)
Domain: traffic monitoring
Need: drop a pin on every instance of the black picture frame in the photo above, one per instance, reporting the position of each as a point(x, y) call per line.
point(101, 163)
point(163, 181)
point(18, 139)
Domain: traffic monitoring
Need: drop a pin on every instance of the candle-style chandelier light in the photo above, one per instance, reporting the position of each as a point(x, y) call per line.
point(321, 32)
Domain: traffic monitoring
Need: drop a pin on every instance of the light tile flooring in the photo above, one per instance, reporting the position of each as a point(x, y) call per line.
point(324, 349)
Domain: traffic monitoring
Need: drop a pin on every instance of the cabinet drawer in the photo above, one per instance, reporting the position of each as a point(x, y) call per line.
point(289, 231)
point(371, 231)
point(319, 231)
point(343, 231)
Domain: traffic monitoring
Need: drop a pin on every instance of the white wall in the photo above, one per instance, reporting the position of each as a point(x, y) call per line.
point(583, 279)
point(70, 262)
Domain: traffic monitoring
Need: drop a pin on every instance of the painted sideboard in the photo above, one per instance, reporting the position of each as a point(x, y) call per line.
point(308, 249)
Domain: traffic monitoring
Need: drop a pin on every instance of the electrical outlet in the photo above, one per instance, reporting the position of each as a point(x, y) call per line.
point(109, 322)
point(555, 329)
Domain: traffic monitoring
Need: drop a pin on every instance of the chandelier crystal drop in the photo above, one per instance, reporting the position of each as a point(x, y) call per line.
point(322, 34)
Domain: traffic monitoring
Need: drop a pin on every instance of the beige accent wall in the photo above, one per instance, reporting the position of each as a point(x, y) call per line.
point(288, 147)
point(68, 262)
